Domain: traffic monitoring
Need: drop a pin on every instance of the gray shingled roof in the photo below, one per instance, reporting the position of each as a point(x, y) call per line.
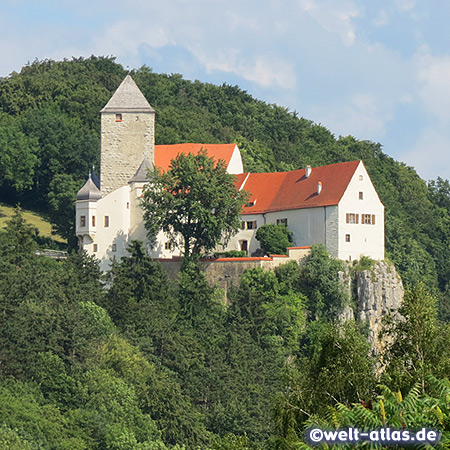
point(141, 174)
point(89, 191)
point(95, 178)
point(128, 98)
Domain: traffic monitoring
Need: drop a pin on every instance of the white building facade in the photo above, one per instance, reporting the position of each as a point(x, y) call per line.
point(336, 205)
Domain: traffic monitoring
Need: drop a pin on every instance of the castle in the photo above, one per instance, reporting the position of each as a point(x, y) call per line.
point(336, 205)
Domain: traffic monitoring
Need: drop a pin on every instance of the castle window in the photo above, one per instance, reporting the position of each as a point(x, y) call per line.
point(114, 247)
point(352, 218)
point(118, 117)
point(361, 178)
point(282, 222)
point(360, 195)
point(93, 221)
point(82, 221)
point(95, 248)
point(168, 246)
point(347, 238)
point(368, 219)
point(106, 221)
point(251, 225)
point(128, 205)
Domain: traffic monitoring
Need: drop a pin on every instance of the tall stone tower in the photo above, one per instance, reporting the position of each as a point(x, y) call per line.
point(127, 136)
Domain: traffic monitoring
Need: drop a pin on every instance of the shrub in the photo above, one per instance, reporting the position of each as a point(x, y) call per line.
point(274, 239)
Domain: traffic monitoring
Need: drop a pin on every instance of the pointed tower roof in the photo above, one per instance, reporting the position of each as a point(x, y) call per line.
point(95, 178)
point(141, 174)
point(89, 191)
point(128, 98)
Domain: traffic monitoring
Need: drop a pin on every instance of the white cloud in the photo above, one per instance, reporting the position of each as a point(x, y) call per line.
point(334, 17)
point(363, 115)
point(382, 19)
point(430, 155)
point(122, 39)
point(433, 74)
point(405, 5)
point(264, 70)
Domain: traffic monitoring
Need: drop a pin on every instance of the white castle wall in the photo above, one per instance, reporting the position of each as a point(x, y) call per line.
point(365, 239)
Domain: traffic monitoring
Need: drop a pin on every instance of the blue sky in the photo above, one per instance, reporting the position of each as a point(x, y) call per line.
point(377, 70)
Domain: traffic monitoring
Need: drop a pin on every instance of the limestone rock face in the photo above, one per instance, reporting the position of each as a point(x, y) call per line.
point(379, 291)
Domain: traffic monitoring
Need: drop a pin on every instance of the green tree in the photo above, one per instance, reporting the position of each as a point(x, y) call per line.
point(61, 198)
point(196, 200)
point(390, 409)
point(274, 239)
point(335, 367)
point(419, 343)
point(319, 281)
point(17, 156)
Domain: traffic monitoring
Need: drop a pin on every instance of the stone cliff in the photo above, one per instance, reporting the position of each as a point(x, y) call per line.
point(375, 293)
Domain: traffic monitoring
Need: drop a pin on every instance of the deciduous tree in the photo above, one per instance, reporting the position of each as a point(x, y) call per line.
point(195, 200)
point(274, 239)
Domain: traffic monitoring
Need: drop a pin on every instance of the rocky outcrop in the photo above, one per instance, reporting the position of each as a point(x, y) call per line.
point(377, 292)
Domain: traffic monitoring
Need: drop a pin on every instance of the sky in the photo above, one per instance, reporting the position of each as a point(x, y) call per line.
point(373, 69)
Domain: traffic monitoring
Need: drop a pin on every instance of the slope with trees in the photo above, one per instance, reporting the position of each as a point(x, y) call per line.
point(152, 363)
point(52, 114)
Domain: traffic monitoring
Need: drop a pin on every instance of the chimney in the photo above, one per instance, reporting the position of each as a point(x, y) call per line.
point(308, 171)
point(319, 187)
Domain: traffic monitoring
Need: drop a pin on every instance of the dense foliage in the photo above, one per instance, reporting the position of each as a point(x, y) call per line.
point(49, 137)
point(274, 239)
point(195, 202)
point(140, 361)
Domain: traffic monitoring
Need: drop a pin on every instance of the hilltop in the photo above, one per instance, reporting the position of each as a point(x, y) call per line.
point(135, 360)
point(49, 114)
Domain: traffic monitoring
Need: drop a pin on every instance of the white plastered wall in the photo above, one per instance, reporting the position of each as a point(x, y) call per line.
point(235, 165)
point(246, 235)
point(88, 210)
point(116, 206)
point(365, 239)
point(308, 226)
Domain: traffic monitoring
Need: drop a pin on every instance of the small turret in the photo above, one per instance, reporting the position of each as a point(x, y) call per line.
point(89, 191)
point(141, 175)
point(86, 208)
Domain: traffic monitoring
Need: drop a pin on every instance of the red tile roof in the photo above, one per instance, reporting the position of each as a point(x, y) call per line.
point(292, 190)
point(165, 153)
point(244, 258)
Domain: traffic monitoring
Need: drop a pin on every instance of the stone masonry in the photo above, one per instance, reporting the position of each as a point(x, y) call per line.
point(127, 136)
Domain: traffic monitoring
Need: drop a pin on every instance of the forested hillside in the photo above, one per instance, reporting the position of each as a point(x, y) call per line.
point(49, 135)
point(135, 361)
point(151, 364)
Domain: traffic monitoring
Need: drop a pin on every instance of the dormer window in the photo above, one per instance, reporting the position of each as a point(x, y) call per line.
point(118, 117)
